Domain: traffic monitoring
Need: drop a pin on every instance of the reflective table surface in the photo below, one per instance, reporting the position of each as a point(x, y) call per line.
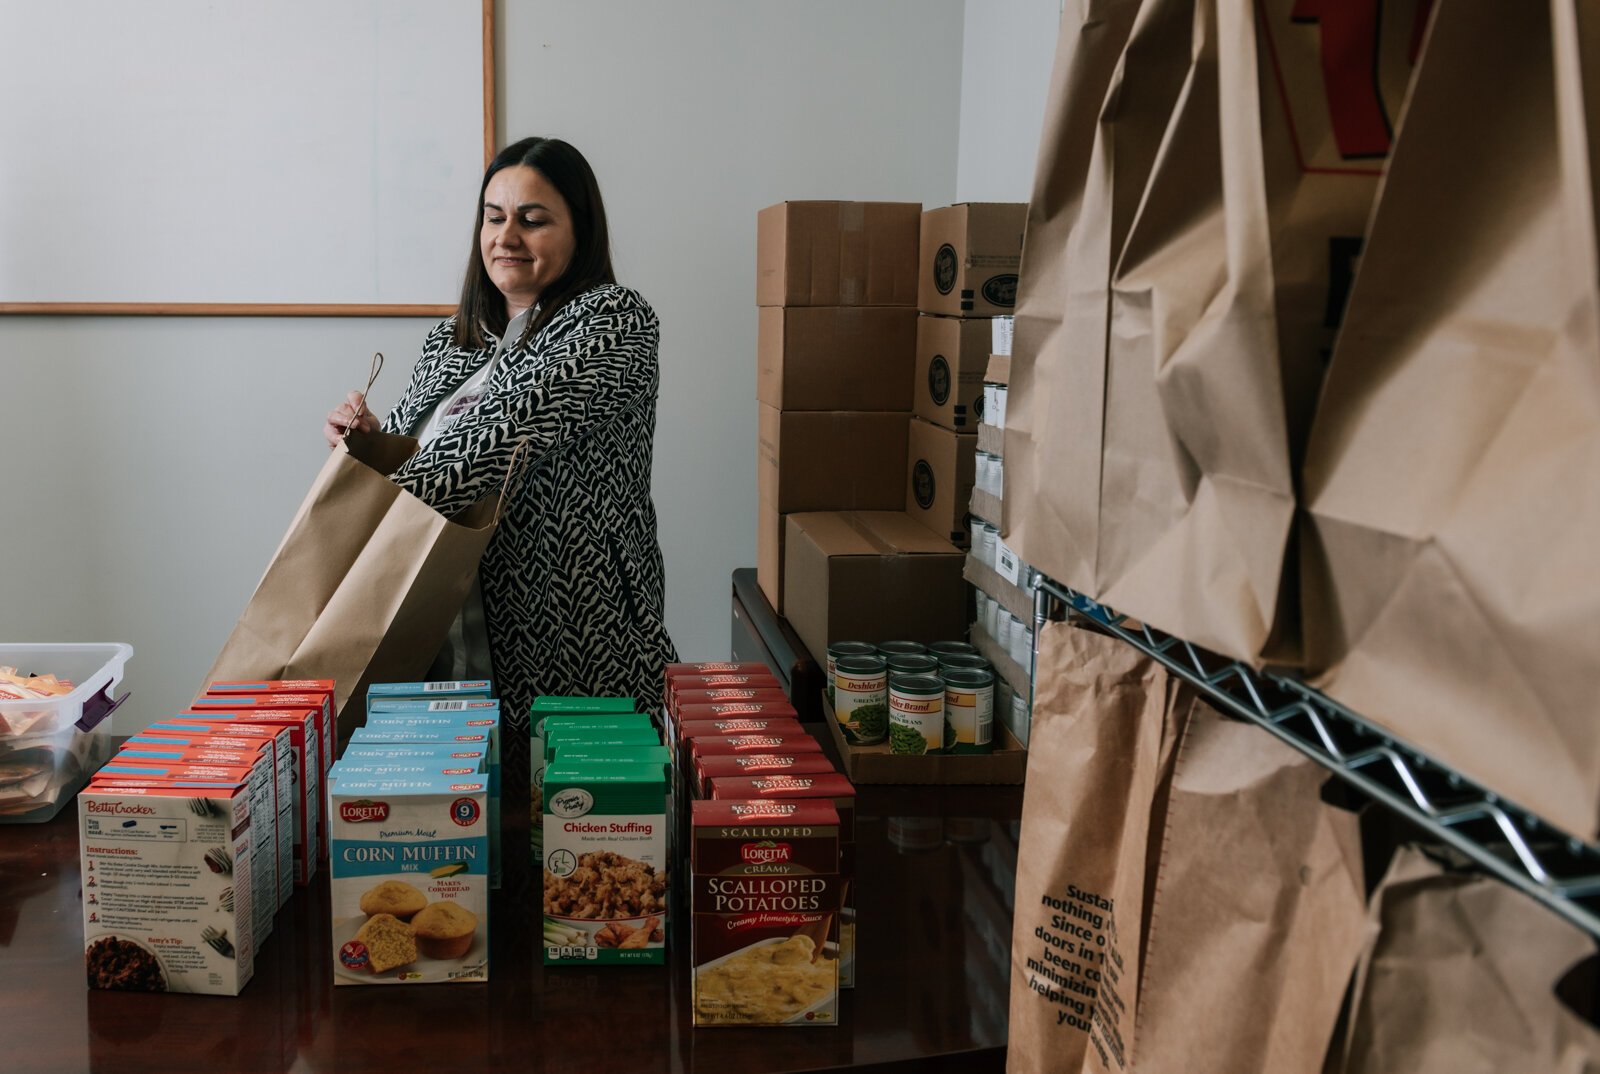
point(934, 884)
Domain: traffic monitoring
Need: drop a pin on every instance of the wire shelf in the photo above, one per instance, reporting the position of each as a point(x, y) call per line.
point(1511, 843)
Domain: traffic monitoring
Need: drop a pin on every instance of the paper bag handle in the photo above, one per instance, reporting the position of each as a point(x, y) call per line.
point(377, 367)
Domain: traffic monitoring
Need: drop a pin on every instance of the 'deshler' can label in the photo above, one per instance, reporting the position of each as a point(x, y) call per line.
point(861, 690)
point(916, 716)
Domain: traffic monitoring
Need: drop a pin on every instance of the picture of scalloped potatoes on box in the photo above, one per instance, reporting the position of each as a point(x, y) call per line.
point(405, 934)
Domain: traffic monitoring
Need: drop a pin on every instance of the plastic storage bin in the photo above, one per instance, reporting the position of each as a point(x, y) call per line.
point(50, 747)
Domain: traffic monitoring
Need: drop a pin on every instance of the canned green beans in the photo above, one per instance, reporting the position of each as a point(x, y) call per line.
point(912, 664)
point(861, 684)
point(969, 708)
point(845, 648)
point(916, 715)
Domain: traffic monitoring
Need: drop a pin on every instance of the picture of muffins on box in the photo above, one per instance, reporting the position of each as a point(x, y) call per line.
point(410, 879)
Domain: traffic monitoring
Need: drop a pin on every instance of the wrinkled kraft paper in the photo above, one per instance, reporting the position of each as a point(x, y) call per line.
point(365, 584)
point(1106, 723)
point(1452, 574)
point(1186, 902)
point(1460, 978)
point(1188, 252)
point(1255, 919)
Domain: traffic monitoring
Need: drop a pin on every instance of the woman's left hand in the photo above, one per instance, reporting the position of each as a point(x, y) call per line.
point(350, 414)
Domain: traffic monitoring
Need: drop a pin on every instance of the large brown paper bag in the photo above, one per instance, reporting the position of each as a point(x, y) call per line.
point(1452, 578)
point(1253, 923)
point(1105, 724)
point(365, 584)
point(1154, 468)
point(1054, 404)
point(1460, 979)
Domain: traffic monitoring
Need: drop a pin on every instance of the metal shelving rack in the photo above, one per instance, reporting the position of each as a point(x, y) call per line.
point(1532, 855)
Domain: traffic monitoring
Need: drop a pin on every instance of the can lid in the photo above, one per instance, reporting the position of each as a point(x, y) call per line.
point(917, 684)
point(968, 677)
point(888, 648)
point(852, 648)
point(943, 649)
point(871, 663)
point(913, 663)
point(964, 660)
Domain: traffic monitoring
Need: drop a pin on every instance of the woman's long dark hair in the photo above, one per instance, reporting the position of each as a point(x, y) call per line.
point(482, 304)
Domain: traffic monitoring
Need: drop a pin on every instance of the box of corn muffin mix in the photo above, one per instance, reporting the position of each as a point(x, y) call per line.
point(410, 878)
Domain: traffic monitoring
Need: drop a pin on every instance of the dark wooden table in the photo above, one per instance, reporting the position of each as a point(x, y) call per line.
point(935, 876)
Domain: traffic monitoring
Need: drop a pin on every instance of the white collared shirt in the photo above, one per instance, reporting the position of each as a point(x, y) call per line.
point(449, 410)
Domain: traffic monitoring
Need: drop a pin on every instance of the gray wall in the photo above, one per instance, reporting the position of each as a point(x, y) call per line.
point(151, 464)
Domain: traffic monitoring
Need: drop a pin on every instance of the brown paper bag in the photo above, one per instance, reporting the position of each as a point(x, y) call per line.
point(1166, 368)
point(1253, 923)
point(365, 584)
point(1105, 725)
point(1460, 979)
point(1053, 407)
point(1452, 581)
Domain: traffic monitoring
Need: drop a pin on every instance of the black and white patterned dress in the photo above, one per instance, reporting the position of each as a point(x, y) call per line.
point(572, 581)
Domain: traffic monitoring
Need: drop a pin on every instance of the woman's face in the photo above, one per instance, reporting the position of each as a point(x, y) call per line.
point(525, 236)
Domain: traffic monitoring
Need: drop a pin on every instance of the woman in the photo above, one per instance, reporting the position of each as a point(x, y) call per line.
point(544, 350)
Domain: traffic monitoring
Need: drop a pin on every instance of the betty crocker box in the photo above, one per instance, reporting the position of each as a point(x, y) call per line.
point(281, 694)
point(304, 752)
point(166, 887)
point(203, 747)
point(203, 765)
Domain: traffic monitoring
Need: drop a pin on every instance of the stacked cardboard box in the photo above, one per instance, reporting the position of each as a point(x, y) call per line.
point(836, 283)
point(967, 275)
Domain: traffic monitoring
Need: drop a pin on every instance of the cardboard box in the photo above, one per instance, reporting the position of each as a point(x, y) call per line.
point(167, 903)
point(409, 888)
point(875, 764)
point(940, 469)
point(832, 460)
point(871, 576)
point(766, 890)
point(605, 863)
point(952, 356)
point(769, 555)
point(836, 357)
point(970, 256)
point(837, 253)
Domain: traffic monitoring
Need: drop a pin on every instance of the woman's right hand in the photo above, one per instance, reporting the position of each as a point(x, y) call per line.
point(350, 414)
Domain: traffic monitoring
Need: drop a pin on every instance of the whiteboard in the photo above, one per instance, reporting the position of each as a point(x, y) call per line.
point(239, 152)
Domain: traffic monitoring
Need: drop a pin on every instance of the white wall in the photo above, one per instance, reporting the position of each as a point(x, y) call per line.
point(1006, 51)
point(695, 115)
point(150, 465)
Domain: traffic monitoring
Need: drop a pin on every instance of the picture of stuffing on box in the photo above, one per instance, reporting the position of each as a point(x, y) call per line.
point(626, 898)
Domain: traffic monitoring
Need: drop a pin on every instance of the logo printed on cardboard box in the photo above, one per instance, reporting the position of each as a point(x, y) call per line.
point(944, 269)
point(363, 811)
point(765, 852)
point(1001, 290)
point(939, 379)
point(922, 483)
point(572, 803)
